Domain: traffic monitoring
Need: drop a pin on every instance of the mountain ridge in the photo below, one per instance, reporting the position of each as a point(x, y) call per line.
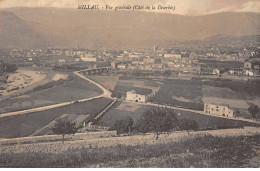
point(54, 27)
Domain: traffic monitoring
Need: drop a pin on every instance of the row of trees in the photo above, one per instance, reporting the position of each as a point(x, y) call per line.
point(5, 67)
point(157, 120)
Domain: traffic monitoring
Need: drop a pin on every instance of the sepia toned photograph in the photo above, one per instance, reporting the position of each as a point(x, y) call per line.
point(129, 83)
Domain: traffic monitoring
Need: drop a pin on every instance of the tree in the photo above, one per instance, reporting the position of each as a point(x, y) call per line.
point(253, 110)
point(63, 127)
point(157, 120)
point(188, 125)
point(236, 113)
point(124, 125)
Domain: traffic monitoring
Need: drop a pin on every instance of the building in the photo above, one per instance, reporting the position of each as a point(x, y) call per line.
point(218, 109)
point(216, 72)
point(134, 55)
point(149, 60)
point(133, 96)
point(121, 66)
point(113, 64)
point(77, 59)
point(251, 68)
point(62, 60)
point(88, 59)
point(172, 56)
point(251, 65)
point(249, 73)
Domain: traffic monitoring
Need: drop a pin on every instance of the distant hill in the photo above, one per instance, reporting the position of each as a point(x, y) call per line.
point(17, 33)
point(228, 37)
point(43, 27)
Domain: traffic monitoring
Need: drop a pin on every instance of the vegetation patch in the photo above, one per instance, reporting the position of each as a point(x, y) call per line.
point(193, 151)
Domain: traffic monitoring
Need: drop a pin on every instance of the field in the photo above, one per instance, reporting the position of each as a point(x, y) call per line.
point(210, 122)
point(108, 82)
point(220, 64)
point(135, 110)
point(174, 150)
point(143, 86)
point(53, 92)
point(238, 94)
point(27, 124)
point(223, 95)
point(119, 111)
point(243, 88)
point(180, 93)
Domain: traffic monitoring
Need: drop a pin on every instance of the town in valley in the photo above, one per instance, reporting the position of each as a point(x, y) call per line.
point(93, 88)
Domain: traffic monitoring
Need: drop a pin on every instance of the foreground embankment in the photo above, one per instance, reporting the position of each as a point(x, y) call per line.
point(222, 148)
point(53, 143)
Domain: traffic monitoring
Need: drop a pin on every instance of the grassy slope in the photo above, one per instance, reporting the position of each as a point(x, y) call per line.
point(198, 151)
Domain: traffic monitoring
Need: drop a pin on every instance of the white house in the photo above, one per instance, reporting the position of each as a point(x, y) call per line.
point(62, 60)
point(77, 59)
point(133, 96)
point(216, 72)
point(172, 56)
point(121, 66)
point(88, 59)
point(134, 55)
point(218, 109)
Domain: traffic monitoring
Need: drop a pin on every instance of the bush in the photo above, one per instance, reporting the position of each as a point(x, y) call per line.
point(124, 125)
point(253, 110)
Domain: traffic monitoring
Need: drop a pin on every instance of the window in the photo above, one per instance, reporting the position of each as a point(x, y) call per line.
point(223, 114)
point(217, 110)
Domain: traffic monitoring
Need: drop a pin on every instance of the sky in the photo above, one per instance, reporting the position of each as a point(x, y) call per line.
point(183, 7)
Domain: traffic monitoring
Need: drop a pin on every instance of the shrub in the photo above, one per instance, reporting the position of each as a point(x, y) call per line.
point(124, 125)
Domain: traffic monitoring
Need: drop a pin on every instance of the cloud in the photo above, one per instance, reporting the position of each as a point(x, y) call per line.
point(184, 7)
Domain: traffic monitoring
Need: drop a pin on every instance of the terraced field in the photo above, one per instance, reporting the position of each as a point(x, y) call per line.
point(27, 124)
point(52, 93)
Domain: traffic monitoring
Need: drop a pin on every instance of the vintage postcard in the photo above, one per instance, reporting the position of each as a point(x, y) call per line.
point(129, 83)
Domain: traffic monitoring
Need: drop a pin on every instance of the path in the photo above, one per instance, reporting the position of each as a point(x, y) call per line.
point(106, 92)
